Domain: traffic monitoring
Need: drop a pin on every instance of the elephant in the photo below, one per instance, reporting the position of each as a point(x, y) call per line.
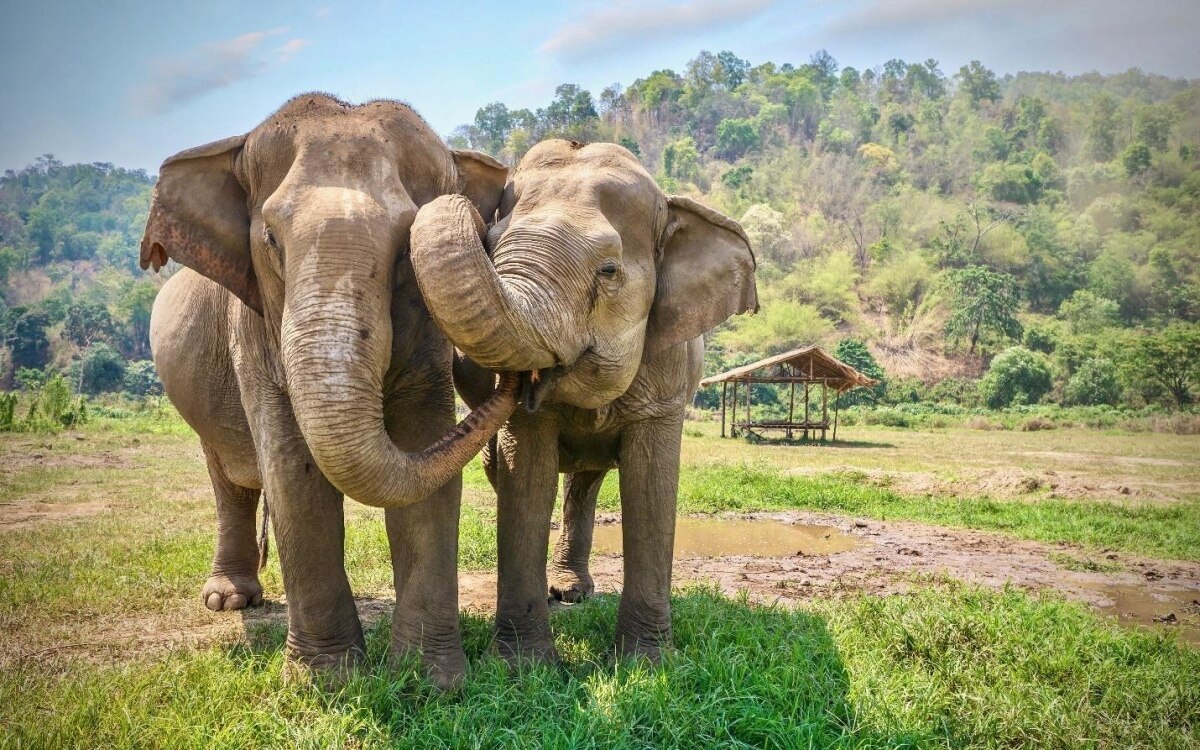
point(297, 345)
point(594, 285)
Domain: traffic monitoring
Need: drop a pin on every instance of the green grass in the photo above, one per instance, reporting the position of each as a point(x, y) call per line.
point(1154, 530)
point(947, 666)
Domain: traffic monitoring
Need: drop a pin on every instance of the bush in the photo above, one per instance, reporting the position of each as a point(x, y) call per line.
point(1094, 383)
point(1016, 376)
point(141, 379)
point(103, 369)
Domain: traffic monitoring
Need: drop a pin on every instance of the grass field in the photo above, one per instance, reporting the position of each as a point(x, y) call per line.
point(106, 536)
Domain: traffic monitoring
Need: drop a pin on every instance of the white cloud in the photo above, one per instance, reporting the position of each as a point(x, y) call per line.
point(613, 26)
point(213, 66)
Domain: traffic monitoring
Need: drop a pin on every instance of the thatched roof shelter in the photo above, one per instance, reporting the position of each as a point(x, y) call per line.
point(809, 366)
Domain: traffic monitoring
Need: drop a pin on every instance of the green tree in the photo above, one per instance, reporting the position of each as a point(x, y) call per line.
point(141, 379)
point(681, 160)
point(736, 136)
point(982, 301)
point(856, 354)
point(102, 370)
point(1101, 142)
point(978, 83)
point(1016, 376)
point(1135, 158)
point(1169, 359)
point(1094, 383)
point(86, 323)
point(30, 345)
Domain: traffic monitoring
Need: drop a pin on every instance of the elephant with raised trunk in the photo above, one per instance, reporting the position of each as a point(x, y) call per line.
point(598, 285)
point(297, 345)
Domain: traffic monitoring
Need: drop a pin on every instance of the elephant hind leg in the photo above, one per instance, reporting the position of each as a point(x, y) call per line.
point(234, 581)
point(570, 580)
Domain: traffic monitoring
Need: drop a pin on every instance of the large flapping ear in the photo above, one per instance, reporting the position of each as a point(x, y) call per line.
point(706, 274)
point(199, 218)
point(481, 179)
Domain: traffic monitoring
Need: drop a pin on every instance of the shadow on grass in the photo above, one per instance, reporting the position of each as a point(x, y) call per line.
point(739, 675)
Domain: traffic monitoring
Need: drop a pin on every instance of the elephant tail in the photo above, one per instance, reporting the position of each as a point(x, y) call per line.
point(263, 543)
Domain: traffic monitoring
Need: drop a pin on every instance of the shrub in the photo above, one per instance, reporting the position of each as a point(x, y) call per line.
point(141, 379)
point(1094, 383)
point(1016, 376)
point(103, 370)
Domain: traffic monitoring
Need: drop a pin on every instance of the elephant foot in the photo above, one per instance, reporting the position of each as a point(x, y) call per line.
point(447, 672)
point(649, 649)
point(230, 592)
point(527, 652)
point(571, 587)
point(328, 671)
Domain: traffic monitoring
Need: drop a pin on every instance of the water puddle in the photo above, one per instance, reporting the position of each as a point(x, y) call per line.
point(1177, 611)
point(722, 537)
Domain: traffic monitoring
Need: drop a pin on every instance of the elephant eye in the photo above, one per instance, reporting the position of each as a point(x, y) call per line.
point(608, 269)
point(269, 236)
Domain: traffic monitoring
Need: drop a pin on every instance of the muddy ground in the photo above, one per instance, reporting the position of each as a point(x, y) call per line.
point(837, 556)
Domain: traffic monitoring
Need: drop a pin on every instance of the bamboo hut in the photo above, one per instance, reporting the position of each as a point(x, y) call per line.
point(810, 368)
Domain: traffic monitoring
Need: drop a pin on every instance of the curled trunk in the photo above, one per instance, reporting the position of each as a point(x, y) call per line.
point(494, 321)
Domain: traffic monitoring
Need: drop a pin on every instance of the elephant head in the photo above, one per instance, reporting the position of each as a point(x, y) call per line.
point(304, 220)
point(592, 269)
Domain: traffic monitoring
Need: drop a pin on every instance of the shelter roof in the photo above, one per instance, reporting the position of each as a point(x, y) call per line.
point(806, 364)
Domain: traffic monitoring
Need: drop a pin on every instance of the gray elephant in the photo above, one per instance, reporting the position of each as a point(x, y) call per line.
point(311, 367)
point(598, 285)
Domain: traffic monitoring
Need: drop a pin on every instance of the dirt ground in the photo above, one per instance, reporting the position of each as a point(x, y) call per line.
point(878, 557)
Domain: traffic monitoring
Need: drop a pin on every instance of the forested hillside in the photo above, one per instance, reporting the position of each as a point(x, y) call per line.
point(942, 220)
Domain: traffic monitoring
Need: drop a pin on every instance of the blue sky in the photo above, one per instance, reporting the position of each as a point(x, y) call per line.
point(133, 82)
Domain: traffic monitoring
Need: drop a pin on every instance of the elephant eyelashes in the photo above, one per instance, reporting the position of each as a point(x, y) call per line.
point(269, 236)
point(608, 270)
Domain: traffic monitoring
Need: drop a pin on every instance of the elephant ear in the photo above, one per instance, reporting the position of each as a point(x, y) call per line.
point(481, 179)
point(705, 275)
point(199, 218)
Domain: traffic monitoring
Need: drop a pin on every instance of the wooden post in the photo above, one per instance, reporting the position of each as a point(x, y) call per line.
point(733, 422)
point(749, 397)
point(791, 408)
point(724, 393)
point(824, 408)
point(806, 387)
point(837, 401)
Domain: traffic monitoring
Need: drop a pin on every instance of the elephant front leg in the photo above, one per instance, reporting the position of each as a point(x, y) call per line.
point(324, 632)
point(424, 545)
point(570, 580)
point(526, 479)
point(649, 475)
point(234, 581)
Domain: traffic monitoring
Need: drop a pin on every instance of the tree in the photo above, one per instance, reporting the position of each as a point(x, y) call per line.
point(856, 354)
point(1101, 140)
point(102, 370)
point(1016, 376)
point(764, 227)
point(732, 70)
point(141, 379)
point(736, 136)
point(978, 83)
point(1135, 158)
point(493, 122)
point(681, 160)
point(30, 345)
point(1094, 383)
point(1169, 359)
point(87, 322)
point(982, 301)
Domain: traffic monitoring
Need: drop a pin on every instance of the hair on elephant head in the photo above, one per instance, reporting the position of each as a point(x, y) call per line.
point(591, 269)
point(304, 219)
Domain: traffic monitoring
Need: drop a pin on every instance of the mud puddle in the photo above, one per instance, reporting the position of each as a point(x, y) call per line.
point(729, 537)
point(1161, 610)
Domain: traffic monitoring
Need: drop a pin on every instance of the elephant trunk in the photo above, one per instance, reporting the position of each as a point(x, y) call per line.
point(492, 319)
point(336, 343)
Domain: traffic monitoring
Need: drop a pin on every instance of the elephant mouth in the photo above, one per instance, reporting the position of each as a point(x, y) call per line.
point(536, 385)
